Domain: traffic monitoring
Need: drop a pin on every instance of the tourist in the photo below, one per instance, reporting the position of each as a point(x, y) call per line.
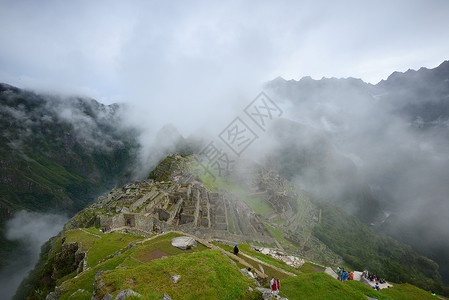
point(278, 285)
point(377, 287)
point(236, 249)
point(250, 273)
point(275, 285)
point(340, 273)
point(344, 276)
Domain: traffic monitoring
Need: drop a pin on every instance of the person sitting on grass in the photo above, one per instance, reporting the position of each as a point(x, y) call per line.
point(236, 249)
point(377, 287)
point(250, 273)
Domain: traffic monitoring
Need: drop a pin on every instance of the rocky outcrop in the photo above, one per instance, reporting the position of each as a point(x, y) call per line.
point(68, 260)
point(55, 294)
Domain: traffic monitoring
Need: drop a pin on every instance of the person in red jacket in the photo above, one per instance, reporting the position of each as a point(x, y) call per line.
point(275, 285)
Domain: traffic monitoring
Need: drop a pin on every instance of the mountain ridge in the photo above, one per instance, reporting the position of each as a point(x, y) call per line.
point(149, 207)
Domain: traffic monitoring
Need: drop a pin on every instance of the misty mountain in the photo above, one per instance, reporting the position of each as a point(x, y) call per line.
point(421, 96)
point(58, 154)
point(378, 151)
point(181, 197)
point(308, 157)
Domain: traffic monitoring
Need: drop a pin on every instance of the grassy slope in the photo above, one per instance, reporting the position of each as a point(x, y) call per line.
point(142, 270)
point(205, 273)
point(322, 286)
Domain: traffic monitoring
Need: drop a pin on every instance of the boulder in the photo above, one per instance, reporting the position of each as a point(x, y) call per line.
point(266, 293)
point(56, 294)
point(265, 251)
point(183, 242)
point(125, 293)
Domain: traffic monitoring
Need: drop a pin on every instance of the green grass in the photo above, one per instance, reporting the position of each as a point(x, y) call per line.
point(257, 204)
point(317, 286)
point(86, 279)
point(79, 295)
point(278, 235)
point(366, 290)
point(107, 245)
point(323, 286)
point(204, 275)
point(77, 235)
point(130, 262)
point(406, 291)
point(309, 268)
point(280, 221)
point(162, 244)
point(130, 258)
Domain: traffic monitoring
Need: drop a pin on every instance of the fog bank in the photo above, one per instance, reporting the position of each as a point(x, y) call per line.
point(31, 230)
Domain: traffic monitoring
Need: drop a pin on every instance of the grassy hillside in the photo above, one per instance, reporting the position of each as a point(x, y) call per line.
point(146, 268)
point(145, 265)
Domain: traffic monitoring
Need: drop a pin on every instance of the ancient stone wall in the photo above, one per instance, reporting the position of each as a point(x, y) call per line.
point(144, 222)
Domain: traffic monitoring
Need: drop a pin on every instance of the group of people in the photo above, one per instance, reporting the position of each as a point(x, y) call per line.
point(105, 229)
point(372, 277)
point(344, 275)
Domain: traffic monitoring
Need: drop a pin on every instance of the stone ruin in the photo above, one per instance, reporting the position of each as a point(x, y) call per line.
point(152, 206)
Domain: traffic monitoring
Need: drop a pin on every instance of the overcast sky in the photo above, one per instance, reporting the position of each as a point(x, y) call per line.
point(198, 51)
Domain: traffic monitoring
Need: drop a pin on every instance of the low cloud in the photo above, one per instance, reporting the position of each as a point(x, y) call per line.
point(31, 230)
